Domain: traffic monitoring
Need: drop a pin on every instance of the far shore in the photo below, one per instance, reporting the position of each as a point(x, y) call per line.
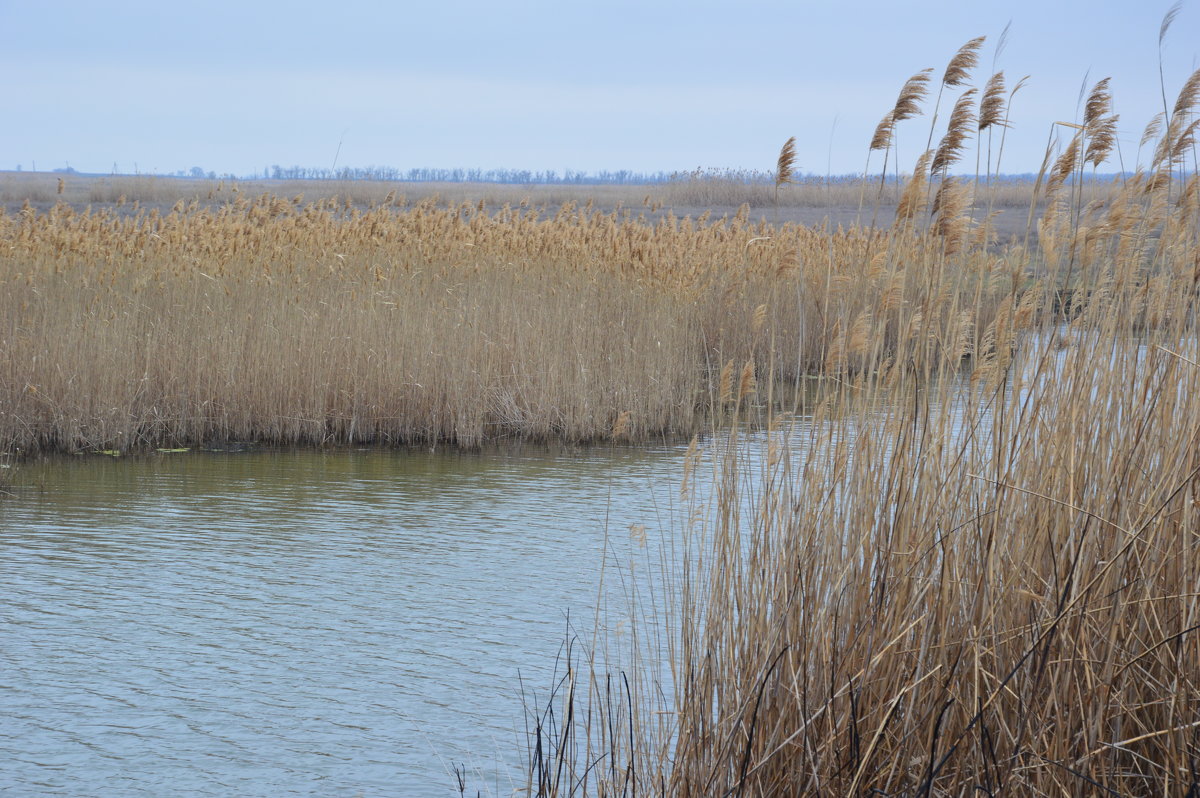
point(813, 202)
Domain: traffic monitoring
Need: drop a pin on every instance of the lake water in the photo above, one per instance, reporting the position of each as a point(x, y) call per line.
point(308, 623)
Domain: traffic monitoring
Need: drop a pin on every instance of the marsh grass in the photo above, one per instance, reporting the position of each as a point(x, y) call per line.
point(288, 322)
point(969, 565)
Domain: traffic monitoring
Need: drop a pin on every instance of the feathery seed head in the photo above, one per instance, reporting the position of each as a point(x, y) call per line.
point(883, 132)
point(958, 71)
point(787, 162)
point(957, 132)
point(1188, 95)
point(620, 426)
point(1066, 163)
point(760, 318)
point(912, 199)
point(725, 384)
point(914, 91)
point(1102, 138)
point(746, 383)
point(1099, 102)
point(1185, 143)
point(991, 105)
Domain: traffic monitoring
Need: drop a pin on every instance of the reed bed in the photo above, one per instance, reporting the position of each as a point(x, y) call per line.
point(286, 322)
point(962, 568)
point(984, 583)
point(976, 587)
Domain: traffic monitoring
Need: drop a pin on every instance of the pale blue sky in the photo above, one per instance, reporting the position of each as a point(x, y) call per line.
point(646, 86)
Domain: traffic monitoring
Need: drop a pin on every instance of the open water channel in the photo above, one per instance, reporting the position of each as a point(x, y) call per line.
point(302, 623)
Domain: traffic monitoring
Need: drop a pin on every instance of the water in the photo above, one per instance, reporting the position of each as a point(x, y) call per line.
point(348, 623)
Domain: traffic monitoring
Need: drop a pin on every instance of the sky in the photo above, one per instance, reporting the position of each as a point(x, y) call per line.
point(235, 87)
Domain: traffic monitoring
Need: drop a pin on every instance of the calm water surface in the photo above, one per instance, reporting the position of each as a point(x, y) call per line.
point(348, 623)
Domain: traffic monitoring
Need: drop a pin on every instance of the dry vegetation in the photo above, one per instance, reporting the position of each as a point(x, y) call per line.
point(949, 575)
point(289, 322)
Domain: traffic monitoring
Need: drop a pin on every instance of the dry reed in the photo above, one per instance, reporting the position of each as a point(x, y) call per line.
point(287, 322)
point(972, 571)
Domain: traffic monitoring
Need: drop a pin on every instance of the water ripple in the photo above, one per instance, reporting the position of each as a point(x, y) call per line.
point(294, 623)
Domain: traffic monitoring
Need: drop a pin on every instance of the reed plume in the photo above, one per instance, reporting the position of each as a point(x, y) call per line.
point(1153, 129)
point(1100, 126)
point(1185, 143)
point(991, 105)
point(620, 427)
point(913, 93)
point(948, 208)
point(1102, 137)
point(913, 198)
point(958, 131)
point(1067, 161)
point(784, 167)
point(956, 74)
point(908, 105)
point(746, 382)
point(725, 384)
point(1098, 103)
point(958, 71)
point(882, 139)
point(759, 319)
point(1189, 95)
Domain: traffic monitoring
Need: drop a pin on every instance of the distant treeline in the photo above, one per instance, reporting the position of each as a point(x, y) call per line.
point(569, 177)
point(432, 175)
point(620, 177)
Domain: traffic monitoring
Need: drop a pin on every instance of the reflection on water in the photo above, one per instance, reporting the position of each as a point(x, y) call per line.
point(297, 623)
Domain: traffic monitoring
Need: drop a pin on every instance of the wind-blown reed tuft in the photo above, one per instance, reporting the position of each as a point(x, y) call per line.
point(908, 104)
point(958, 71)
point(991, 105)
point(957, 133)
